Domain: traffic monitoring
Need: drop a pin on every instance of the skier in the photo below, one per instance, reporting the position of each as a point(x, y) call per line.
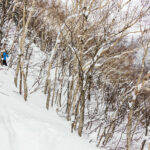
point(4, 56)
point(1, 56)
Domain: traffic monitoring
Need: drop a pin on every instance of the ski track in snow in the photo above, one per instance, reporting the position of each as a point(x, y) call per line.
point(26, 126)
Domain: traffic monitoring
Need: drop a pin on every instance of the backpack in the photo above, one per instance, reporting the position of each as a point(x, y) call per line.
point(2, 55)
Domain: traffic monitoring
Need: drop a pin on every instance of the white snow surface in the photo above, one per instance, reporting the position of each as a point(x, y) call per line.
point(29, 126)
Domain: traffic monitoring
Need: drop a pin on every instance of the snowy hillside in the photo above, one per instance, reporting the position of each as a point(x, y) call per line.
point(87, 62)
point(26, 126)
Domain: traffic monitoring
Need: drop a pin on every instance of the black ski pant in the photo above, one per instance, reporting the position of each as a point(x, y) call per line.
point(4, 62)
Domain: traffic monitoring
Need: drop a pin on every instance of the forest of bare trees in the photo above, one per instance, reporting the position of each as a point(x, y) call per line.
point(95, 65)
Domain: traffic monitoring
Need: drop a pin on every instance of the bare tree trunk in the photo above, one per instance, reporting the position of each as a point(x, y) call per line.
point(129, 126)
point(49, 93)
point(12, 49)
point(50, 64)
point(25, 30)
point(61, 81)
point(69, 95)
point(28, 64)
point(82, 106)
point(75, 98)
point(70, 100)
point(20, 85)
point(76, 120)
point(17, 72)
point(54, 89)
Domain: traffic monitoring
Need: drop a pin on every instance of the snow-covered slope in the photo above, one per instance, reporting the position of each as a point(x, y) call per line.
point(26, 126)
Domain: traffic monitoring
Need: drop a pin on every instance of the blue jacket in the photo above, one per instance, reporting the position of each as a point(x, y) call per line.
point(5, 55)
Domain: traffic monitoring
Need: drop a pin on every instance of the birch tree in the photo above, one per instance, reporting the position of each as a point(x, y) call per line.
point(21, 57)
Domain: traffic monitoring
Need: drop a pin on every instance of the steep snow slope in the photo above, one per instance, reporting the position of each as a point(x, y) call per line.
point(26, 126)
